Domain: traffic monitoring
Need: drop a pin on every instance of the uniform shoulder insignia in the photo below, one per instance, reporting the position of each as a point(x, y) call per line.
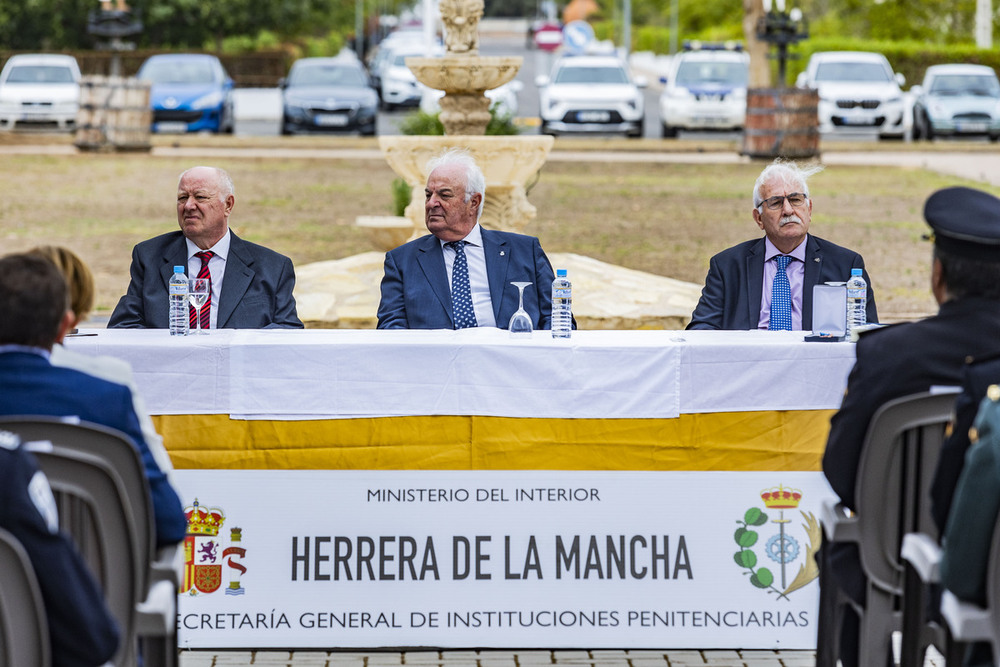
point(9, 440)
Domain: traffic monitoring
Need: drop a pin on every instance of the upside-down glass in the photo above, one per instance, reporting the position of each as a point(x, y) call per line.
point(198, 295)
point(520, 323)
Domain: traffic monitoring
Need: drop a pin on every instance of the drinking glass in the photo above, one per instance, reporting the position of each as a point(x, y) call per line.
point(520, 324)
point(198, 295)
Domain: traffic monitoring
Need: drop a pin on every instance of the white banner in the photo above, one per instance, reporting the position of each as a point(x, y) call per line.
point(525, 559)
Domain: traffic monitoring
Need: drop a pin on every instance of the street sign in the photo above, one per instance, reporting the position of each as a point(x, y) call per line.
point(576, 36)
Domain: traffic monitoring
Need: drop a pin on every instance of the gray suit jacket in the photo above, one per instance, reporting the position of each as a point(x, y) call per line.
point(256, 290)
point(731, 296)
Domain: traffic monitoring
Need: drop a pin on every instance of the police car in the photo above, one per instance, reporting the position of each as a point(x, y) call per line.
point(591, 94)
point(705, 89)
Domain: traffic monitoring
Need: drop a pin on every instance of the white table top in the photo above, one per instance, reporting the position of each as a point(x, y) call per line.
point(310, 374)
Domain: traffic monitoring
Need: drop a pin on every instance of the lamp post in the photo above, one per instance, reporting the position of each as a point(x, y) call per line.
point(781, 28)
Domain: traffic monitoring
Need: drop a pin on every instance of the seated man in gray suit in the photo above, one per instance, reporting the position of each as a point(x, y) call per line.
point(741, 280)
point(251, 286)
point(460, 275)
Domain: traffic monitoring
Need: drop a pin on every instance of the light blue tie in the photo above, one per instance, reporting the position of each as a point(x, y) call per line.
point(462, 313)
point(781, 297)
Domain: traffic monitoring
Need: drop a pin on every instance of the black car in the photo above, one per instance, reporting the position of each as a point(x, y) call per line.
point(328, 95)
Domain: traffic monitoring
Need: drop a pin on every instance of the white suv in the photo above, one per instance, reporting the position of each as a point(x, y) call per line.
point(39, 89)
point(705, 89)
point(591, 93)
point(856, 89)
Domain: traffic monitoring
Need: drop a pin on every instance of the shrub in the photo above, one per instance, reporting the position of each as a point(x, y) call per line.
point(421, 123)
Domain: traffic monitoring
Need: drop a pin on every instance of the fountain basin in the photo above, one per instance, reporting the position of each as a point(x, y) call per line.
point(464, 74)
point(508, 162)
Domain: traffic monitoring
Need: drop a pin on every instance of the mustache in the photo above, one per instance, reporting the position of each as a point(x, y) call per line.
point(789, 218)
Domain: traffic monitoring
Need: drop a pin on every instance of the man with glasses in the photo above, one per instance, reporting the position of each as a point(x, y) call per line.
point(742, 281)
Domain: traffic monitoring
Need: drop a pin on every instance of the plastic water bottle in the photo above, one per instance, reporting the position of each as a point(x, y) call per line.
point(179, 321)
point(562, 306)
point(857, 301)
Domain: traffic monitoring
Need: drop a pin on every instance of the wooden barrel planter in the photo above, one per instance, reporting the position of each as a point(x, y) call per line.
point(114, 114)
point(781, 122)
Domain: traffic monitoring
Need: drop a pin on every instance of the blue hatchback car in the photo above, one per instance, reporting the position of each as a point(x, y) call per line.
point(191, 92)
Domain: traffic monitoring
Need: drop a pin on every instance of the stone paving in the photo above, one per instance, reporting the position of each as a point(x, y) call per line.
point(527, 658)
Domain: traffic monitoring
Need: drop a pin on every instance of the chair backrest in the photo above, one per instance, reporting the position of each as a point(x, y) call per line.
point(24, 630)
point(114, 447)
point(893, 484)
point(93, 510)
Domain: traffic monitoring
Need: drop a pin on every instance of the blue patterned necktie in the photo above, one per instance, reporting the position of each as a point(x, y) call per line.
point(781, 297)
point(462, 313)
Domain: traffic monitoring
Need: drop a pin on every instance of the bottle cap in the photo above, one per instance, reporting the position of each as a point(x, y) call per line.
point(178, 269)
point(560, 273)
point(855, 272)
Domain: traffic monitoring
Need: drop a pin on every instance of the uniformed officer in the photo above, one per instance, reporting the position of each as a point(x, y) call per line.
point(81, 629)
point(912, 357)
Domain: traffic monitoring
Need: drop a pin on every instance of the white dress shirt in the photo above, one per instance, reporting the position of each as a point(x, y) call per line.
point(478, 280)
point(216, 269)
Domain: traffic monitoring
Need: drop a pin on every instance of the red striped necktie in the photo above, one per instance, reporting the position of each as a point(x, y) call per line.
point(206, 310)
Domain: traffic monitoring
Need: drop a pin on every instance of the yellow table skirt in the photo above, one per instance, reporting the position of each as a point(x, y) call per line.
point(768, 440)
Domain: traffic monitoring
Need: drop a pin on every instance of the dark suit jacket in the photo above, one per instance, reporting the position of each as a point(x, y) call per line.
point(892, 362)
point(416, 295)
point(976, 377)
point(82, 631)
point(33, 386)
point(732, 292)
point(256, 290)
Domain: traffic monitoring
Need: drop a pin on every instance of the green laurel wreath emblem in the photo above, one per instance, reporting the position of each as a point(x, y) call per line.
point(745, 537)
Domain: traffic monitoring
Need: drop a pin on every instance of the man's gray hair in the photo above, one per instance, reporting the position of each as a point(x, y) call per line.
point(226, 186)
point(787, 171)
point(475, 182)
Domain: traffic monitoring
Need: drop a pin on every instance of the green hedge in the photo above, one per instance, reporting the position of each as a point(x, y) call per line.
point(911, 58)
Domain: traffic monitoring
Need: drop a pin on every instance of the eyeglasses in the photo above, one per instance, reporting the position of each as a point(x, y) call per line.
point(796, 199)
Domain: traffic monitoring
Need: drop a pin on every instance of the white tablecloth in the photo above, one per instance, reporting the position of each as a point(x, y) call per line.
point(289, 374)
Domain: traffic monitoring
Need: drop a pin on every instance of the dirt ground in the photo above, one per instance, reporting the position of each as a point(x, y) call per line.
point(667, 219)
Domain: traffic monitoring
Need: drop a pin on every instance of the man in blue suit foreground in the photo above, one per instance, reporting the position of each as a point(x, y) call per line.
point(421, 278)
point(36, 316)
point(251, 286)
point(741, 279)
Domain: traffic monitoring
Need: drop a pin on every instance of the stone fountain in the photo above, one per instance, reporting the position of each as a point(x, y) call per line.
point(344, 293)
point(508, 162)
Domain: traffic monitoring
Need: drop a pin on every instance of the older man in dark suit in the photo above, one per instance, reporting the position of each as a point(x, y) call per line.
point(460, 275)
point(741, 280)
point(251, 286)
point(36, 316)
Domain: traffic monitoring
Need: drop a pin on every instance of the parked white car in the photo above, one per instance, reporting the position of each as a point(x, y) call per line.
point(39, 90)
point(591, 93)
point(705, 89)
point(856, 89)
point(397, 84)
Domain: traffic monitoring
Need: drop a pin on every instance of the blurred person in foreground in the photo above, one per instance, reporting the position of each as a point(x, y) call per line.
point(251, 286)
point(421, 288)
point(33, 298)
point(966, 491)
point(82, 632)
point(741, 280)
point(80, 283)
point(912, 357)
